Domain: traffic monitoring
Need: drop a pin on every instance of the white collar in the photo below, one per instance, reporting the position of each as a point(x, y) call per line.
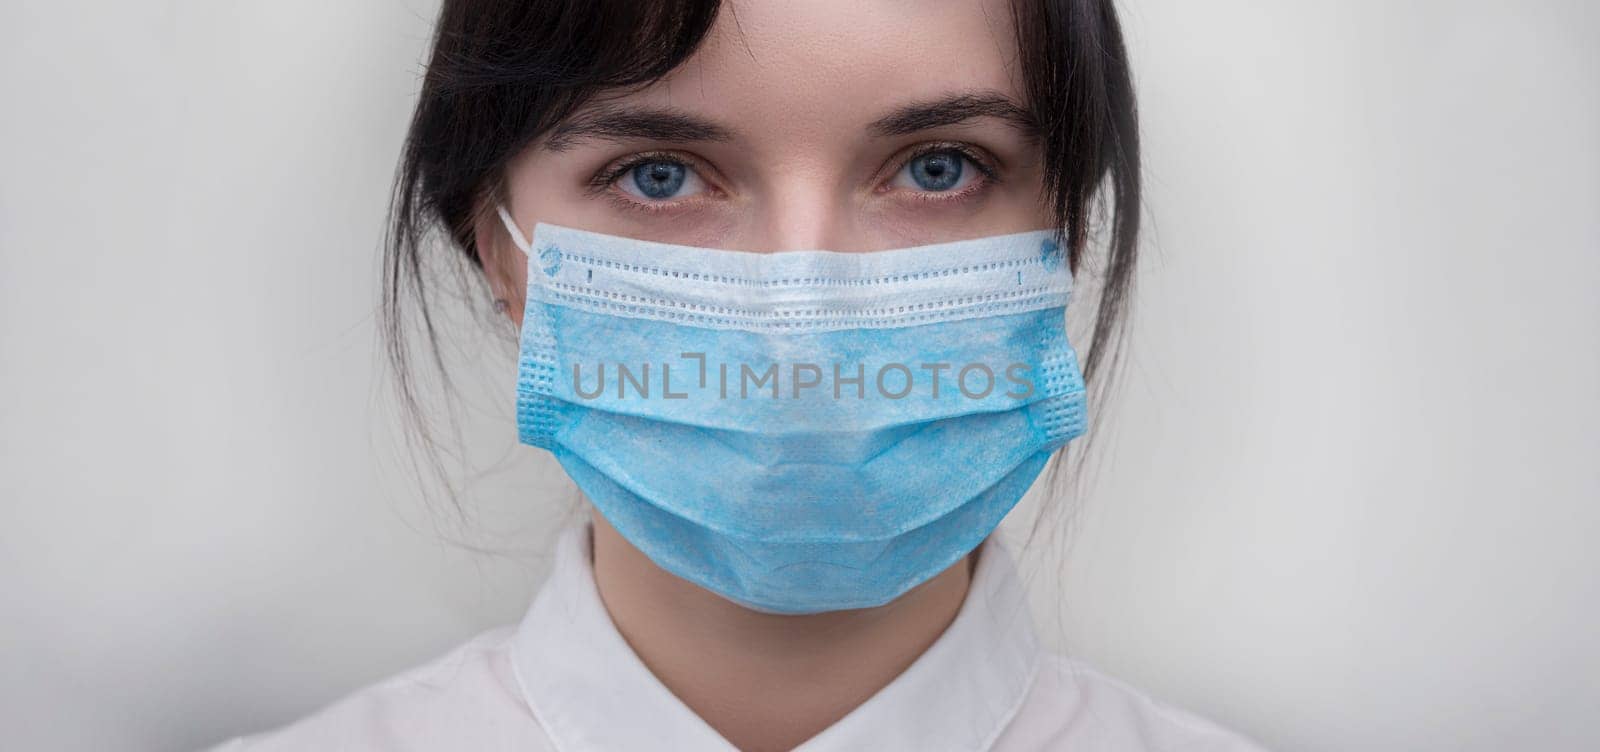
point(591, 692)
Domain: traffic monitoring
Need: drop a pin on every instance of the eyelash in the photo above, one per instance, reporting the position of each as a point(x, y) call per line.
point(606, 178)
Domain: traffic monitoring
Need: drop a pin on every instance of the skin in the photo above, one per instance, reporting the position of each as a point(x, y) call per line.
point(802, 91)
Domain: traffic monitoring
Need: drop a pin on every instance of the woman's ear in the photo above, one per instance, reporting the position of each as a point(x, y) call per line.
point(505, 266)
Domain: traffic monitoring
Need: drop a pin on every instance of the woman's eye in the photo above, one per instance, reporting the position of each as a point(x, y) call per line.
point(937, 172)
point(660, 180)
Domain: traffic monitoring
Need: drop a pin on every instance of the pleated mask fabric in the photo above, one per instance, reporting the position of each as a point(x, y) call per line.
point(798, 431)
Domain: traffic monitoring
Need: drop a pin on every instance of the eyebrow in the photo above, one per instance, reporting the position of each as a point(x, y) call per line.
point(668, 124)
point(617, 124)
point(953, 109)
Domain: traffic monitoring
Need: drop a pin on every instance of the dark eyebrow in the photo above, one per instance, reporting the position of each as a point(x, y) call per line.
point(656, 124)
point(666, 124)
point(953, 109)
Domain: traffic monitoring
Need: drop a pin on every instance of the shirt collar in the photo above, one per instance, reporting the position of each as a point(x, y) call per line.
point(590, 691)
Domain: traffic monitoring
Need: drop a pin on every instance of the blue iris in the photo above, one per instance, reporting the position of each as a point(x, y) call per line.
point(659, 179)
point(937, 171)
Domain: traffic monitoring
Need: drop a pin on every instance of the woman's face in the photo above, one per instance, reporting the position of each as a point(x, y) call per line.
point(846, 125)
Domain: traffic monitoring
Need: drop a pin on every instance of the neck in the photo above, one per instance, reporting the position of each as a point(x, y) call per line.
point(764, 681)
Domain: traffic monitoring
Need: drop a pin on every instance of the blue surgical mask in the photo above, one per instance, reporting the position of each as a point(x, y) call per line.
point(799, 431)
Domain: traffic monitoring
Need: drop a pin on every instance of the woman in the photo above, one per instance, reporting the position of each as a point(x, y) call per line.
point(746, 246)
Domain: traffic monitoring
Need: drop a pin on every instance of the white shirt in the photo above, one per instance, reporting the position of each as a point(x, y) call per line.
point(564, 680)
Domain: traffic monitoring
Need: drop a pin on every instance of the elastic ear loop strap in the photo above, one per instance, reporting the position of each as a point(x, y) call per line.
point(511, 227)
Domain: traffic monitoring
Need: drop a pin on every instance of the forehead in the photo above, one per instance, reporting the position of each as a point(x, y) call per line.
point(786, 69)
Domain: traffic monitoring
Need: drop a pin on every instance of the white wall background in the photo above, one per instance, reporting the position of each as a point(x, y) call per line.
point(1348, 498)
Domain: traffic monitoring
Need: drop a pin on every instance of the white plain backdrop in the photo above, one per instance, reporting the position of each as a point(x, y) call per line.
point(1347, 496)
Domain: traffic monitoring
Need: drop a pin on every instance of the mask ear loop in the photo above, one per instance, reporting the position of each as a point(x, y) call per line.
point(511, 227)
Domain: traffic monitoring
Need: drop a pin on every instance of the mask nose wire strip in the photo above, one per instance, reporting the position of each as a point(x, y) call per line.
point(511, 227)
